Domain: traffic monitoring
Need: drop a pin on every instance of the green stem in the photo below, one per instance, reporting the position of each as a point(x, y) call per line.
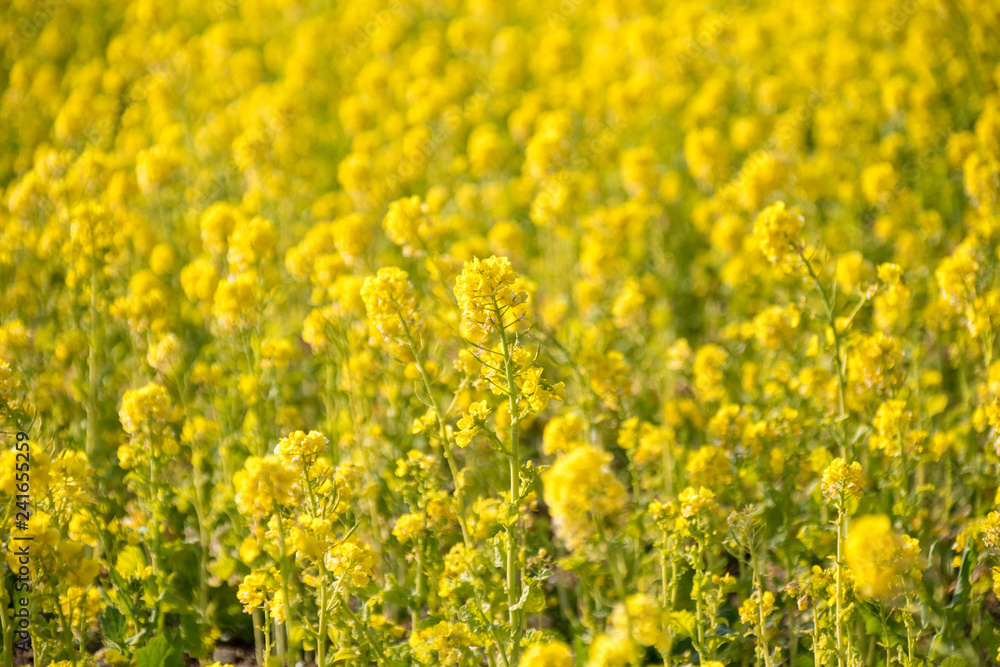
point(885, 635)
point(828, 302)
point(382, 660)
point(201, 514)
point(418, 597)
point(456, 478)
point(618, 568)
point(701, 580)
point(762, 634)
point(289, 624)
point(378, 536)
point(321, 637)
point(840, 586)
point(513, 574)
point(158, 516)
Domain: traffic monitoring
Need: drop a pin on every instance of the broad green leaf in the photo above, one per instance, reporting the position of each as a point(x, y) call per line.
point(113, 624)
point(159, 653)
point(873, 622)
point(683, 623)
point(345, 654)
point(954, 661)
point(131, 563)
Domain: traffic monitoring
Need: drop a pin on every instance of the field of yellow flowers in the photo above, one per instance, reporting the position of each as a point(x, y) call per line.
point(527, 333)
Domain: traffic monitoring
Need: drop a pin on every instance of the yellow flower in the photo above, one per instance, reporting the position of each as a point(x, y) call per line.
point(695, 502)
point(251, 242)
point(645, 617)
point(236, 303)
point(880, 561)
point(777, 232)
point(442, 644)
point(254, 589)
point(842, 480)
point(878, 182)
point(473, 420)
point(538, 392)
point(751, 609)
point(391, 304)
point(264, 484)
point(408, 526)
point(164, 354)
point(407, 224)
point(147, 406)
point(956, 275)
point(579, 485)
point(628, 304)
point(353, 560)
point(486, 295)
point(708, 372)
point(300, 448)
point(8, 382)
point(613, 650)
point(774, 327)
point(890, 422)
point(549, 654)
point(562, 434)
point(199, 280)
point(217, 223)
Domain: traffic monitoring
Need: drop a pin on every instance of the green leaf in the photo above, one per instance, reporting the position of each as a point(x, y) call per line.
point(683, 623)
point(194, 636)
point(954, 661)
point(345, 654)
point(397, 595)
point(873, 622)
point(131, 563)
point(475, 619)
point(536, 601)
point(123, 588)
point(113, 624)
point(159, 653)
point(962, 585)
point(524, 598)
point(184, 568)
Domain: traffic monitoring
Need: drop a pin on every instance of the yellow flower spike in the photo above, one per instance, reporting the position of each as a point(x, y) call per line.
point(580, 484)
point(777, 231)
point(880, 561)
point(148, 406)
point(265, 483)
point(486, 296)
point(549, 654)
point(236, 302)
point(843, 480)
point(472, 421)
point(391, 304)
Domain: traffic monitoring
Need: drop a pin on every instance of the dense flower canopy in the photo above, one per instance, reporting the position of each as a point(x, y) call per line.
point(474, 332)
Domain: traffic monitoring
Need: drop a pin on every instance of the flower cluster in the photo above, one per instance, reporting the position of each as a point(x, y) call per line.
point(450, 332)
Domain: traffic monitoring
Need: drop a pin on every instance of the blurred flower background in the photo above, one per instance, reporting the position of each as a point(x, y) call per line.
point(519, 334)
